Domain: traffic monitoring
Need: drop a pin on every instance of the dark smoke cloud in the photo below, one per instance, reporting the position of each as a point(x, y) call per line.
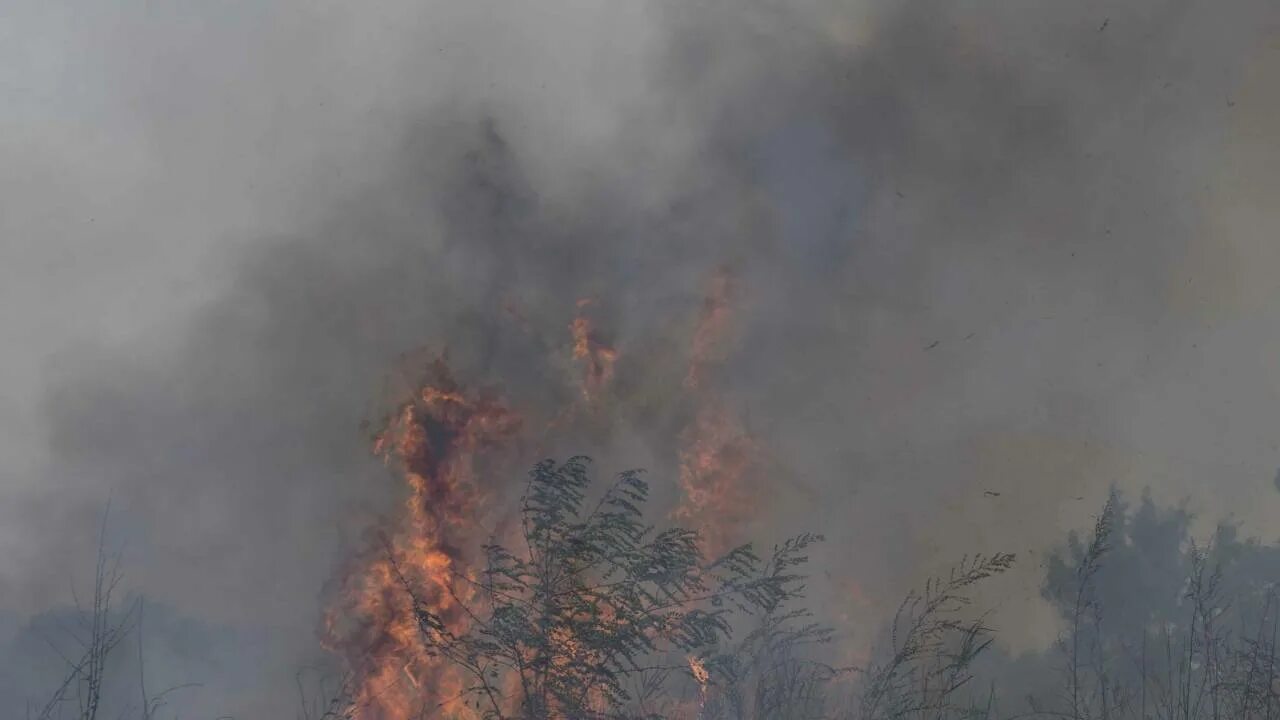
point(979, 247)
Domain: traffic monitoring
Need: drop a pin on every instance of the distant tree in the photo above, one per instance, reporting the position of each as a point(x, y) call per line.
point(1155, 624)
point(101, 629)
point(101, 625)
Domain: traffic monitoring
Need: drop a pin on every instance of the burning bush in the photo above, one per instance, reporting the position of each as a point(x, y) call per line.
point(595, 609)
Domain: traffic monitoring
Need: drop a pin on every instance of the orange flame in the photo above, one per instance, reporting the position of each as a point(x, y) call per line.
point(597, 357)
point(703, 678)
point(717, 456)
point(717, 453)
point(433, 439)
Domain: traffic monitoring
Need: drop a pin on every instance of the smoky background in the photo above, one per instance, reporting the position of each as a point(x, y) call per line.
point(989, 260)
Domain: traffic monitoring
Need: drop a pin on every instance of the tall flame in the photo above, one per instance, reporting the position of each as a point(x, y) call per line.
point(597, 358)
point(433, 440)
point(717, 456)
point(701, 676)
point(717, 453)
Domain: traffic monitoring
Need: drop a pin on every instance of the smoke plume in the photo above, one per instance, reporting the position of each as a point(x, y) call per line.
point(987, 260)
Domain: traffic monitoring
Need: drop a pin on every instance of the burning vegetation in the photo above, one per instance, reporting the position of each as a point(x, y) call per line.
point(595, 607)
point(573, 605)
point(597, 358)
point(588, 611)
point(717, 454)
point(570, 603)
point(433, 440)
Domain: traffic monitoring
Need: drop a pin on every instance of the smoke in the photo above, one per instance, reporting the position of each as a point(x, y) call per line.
point(990, 259)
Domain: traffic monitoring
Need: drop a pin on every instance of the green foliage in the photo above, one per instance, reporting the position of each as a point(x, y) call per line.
point(768, 674)
point(596, 609)
point(933, 646)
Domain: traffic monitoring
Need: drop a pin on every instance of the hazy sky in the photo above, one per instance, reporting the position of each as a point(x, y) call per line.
point(1020, 247)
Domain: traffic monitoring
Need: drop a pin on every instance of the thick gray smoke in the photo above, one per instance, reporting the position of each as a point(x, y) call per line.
point(992, 258)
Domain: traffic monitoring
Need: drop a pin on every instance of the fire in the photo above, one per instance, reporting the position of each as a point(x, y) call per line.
point(598, 359)
point(717, 456)
point(703, 678)
point(433, 440)
point(717, 453)
point(699, 671)
point(417, 565)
